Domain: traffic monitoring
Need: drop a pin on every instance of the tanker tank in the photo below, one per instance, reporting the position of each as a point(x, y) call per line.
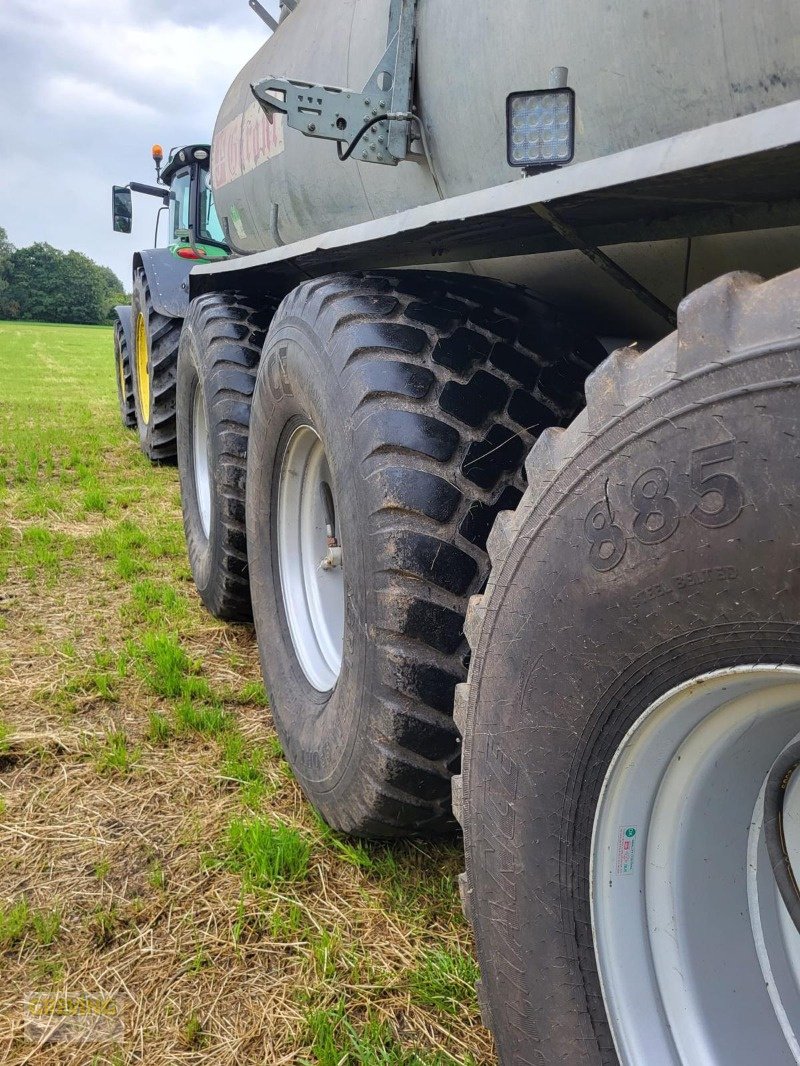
point(641, 72)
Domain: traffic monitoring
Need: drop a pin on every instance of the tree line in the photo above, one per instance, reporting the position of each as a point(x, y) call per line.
point(43, 284)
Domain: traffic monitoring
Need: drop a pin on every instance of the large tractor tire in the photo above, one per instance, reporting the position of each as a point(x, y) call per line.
point(155, 366)
point(389, 426)
point(635, 677)
point(124, 375)
point(220, 349)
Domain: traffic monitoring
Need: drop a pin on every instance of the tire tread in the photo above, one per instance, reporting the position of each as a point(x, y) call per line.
point(231, 331)
point(414, 354)
point(727, 316)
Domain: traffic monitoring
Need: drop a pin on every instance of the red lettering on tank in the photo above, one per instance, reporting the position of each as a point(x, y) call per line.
point(226, 162)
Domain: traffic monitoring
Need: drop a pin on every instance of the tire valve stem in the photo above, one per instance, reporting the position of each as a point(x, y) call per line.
point(334, 556)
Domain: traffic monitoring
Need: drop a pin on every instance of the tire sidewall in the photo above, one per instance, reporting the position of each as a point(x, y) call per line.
point(204, 551)
point(119, 366)
point(320, 732)
point(599, 647)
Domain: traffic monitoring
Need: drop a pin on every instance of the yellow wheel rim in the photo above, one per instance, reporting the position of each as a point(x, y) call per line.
point(142, 368)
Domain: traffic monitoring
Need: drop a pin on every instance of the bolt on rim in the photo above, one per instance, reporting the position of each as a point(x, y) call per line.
point(201, 460)
point(698, 958)
point(142, 368)
point(310, 558)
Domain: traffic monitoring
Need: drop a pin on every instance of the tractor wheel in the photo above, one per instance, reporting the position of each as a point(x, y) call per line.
point(635, 680)
point(389, 426)
point(220, 348)
point(155, 364)
point(122, 363)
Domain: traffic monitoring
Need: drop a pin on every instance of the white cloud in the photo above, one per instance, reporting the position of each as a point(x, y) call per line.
point(66, 93)
point(86, 86)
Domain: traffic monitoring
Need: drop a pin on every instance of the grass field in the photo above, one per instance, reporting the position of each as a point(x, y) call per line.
point(155, 850)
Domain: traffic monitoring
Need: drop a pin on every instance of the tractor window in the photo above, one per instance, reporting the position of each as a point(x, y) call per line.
point(179, 204)
point(210, 228)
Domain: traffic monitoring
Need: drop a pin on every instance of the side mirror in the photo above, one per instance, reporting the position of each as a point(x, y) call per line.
point(122, 209)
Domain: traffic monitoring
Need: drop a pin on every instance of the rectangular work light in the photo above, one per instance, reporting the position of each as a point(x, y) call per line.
point(540, 127)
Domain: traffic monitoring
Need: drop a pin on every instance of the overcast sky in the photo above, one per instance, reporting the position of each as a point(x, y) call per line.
point(86, 87)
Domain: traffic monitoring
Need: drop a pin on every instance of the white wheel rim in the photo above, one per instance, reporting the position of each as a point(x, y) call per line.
point(698, 959)
point(201, 460)
point(313, 597)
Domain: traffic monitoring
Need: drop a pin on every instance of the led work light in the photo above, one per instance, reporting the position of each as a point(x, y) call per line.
point(540, 127)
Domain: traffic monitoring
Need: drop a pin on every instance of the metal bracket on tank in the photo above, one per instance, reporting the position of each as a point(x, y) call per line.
point(373, 125)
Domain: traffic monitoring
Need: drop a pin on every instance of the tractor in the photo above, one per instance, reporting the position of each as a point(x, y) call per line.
point(146, 334)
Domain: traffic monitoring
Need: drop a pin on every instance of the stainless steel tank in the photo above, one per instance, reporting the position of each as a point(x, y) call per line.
point(641, 69)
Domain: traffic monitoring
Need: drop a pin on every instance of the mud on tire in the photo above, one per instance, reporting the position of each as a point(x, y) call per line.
point(426, 390)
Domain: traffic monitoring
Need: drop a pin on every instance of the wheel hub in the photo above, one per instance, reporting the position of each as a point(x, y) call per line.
point(142, 368)
point(698, 958)
point(201, 460)
point(310, 558)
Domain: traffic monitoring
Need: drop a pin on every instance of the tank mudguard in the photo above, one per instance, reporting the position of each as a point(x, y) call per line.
point(168, 277)
point(123, 313)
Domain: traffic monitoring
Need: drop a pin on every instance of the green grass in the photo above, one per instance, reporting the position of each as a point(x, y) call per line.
point(167, 846)
point(252, 692)
point(95, 500)
point(242, 761)
point(43, 553)
point(14, 923)
point(287, 920)
point(201, 718)
point(159, 728)
point(126, 546)
point(158, 606)
point(104, 925)
point(444, 980)
point(115, 755)
point(167, 669)
point(101, 679)
point(266, 854)
point(102, 869)
point(335, 1040)
point(156, 878)
point(192, 1032)
point(352, 851)
point(20, 922)
point(58, 431)
point(46, 926)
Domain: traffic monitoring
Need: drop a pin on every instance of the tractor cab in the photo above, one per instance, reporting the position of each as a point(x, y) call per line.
point(195, 231)
point(184, 187)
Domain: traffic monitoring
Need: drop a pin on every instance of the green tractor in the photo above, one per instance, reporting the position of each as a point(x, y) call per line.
point(146, 334)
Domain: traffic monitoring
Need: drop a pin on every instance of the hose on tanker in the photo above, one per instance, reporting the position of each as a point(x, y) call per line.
point(423, 136)
point(774, 797)
point(354, 143)
point(390, 117)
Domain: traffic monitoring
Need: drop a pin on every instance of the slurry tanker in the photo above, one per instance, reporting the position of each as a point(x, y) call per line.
point(490, 422)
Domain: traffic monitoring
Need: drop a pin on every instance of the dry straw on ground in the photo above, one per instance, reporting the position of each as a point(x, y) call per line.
point(117, 880)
